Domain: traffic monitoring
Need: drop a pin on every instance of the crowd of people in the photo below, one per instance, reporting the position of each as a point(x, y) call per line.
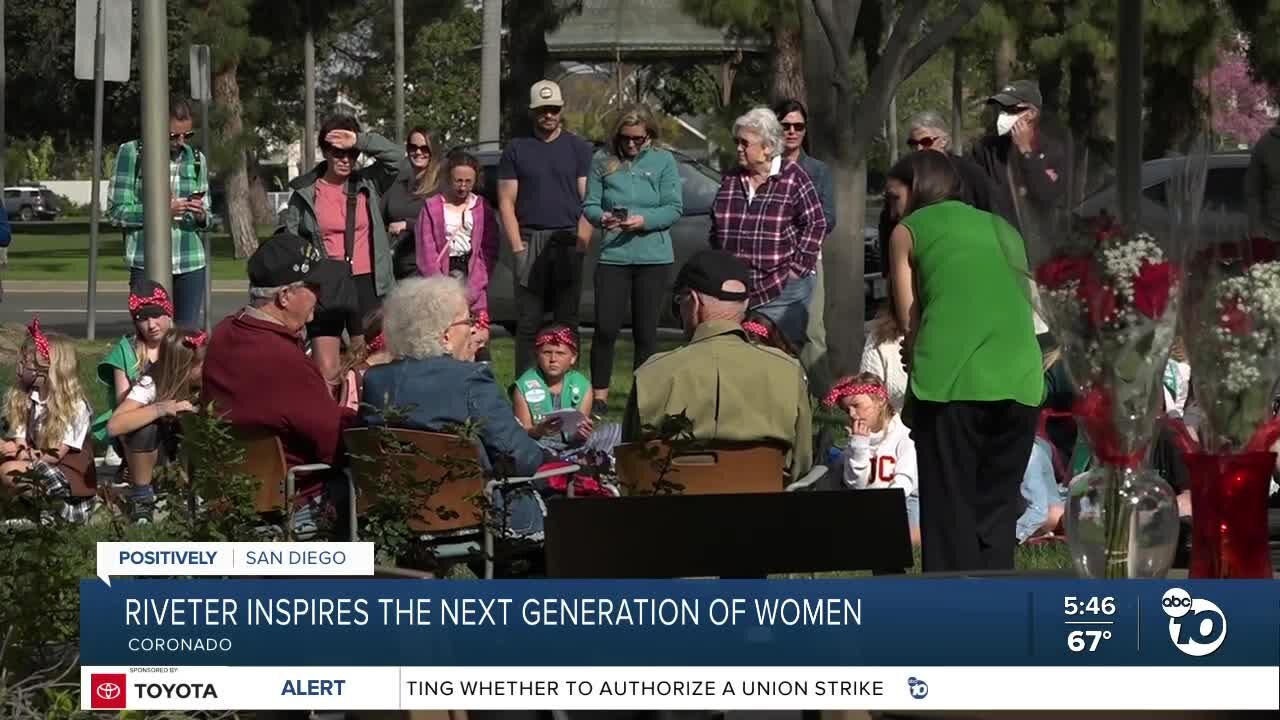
point(373, 295)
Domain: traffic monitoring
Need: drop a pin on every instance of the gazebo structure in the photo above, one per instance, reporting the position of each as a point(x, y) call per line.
point(646, 31)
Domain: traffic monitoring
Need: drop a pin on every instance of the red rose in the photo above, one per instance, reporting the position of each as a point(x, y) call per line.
point(1060, 271)
point(1234, 320)
point(1151, 288)
point(1099, 300)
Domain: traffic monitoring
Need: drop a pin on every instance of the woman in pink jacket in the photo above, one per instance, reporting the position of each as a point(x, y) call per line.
point(457, 234)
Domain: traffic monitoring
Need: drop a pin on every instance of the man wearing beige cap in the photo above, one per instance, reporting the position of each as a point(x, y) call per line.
point(542, 181)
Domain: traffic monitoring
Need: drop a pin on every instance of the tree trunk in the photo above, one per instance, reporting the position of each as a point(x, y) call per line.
point(1006, 56)
point(1083, 108)
point(788, 65)
point(891, 130)
point(957, 100)
point(226, 93)
point(262, 212)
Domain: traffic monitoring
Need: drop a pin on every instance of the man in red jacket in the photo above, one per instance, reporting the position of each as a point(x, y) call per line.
point(256, 372)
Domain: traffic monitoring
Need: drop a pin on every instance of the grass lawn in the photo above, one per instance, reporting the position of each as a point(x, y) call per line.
point(59, 252)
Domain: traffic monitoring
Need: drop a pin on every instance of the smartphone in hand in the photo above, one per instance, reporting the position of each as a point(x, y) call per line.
point(618, 213)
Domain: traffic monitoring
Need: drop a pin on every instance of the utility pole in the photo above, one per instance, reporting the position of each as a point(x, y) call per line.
point(4, 137)
point(490, 72)
point(155, 143)
point(95, 190)
point(308, 98)
point(398, 10)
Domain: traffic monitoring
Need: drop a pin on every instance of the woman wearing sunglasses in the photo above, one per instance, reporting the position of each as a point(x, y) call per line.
point(406, 196)
point(634, 195)
point(337, 207)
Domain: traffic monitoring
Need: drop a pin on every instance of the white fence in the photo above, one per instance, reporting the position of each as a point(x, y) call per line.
point(77, 190)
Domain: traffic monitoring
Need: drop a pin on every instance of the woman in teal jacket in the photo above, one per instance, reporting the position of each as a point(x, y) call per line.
point(634, 195)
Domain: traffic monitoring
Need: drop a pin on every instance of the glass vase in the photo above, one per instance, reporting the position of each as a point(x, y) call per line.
point(1229, 514)
point(1122, 522)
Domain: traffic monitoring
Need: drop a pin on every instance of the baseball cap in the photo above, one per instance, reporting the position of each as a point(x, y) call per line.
point(1019, 92)
point(709, 270)
point(286, 258)
point(545, 93)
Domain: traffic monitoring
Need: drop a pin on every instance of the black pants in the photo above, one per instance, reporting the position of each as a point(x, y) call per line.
point(971, 456)
point(555, 284)
point(616, 285)
point(331, 323)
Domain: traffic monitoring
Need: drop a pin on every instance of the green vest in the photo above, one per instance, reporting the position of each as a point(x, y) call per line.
point(536, 395)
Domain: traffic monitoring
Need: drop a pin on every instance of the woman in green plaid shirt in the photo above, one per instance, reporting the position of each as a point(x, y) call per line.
point(188, 204)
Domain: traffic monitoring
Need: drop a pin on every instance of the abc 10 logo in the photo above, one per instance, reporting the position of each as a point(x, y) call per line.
point(1197, 626)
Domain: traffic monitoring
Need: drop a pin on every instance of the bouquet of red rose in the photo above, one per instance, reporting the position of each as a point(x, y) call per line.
point(1112, 298)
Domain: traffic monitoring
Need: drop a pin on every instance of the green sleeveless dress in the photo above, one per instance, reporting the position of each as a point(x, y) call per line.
point(533, 388)
point(977, 339)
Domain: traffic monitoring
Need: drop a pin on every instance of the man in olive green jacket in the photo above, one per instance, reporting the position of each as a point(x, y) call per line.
point(730, 389)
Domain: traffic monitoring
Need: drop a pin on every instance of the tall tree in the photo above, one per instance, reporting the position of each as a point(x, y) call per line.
point(1181, 43)
point(1239, 102)
point(776, 21)
point(846, 126)
point(1260, 22)
point(527, 54)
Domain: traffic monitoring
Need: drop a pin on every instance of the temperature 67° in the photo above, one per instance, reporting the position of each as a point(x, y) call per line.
point(1086, 640)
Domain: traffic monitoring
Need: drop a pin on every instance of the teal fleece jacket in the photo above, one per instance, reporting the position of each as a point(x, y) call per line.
point(648, 186)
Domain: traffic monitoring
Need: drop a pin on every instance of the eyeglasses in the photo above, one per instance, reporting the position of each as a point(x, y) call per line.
point(740, 142)
point(418, 149)
point(924, 142)
point(798, 127)
point(469, 322)
point(626, 139)
point(183, 136)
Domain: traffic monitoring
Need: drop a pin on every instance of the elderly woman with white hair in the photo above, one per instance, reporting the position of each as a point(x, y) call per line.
point(435, 382)
point(769, 214)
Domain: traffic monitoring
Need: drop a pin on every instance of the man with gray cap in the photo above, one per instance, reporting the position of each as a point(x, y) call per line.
point(731, 389)
point(542, 181)
point(1026, 164)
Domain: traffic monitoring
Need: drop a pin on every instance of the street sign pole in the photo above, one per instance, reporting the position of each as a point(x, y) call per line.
point(398, 11)
point(202, 90)
point(95, 190)
point(156, 191)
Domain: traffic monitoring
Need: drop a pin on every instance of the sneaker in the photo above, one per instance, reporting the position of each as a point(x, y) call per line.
point(111, 457)
point(599, 408)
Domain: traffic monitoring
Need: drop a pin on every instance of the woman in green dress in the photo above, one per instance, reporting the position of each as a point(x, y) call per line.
point(962, 293)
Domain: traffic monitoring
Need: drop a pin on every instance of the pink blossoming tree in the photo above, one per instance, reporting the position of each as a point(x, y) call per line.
point(1243, 108)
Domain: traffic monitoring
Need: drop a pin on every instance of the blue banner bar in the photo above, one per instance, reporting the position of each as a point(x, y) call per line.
point(875, 622)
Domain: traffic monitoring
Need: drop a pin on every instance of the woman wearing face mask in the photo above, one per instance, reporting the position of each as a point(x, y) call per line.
point(959, 280)
point(457, 234)
point(403, 200)
point(633, 194)
point(318, 212)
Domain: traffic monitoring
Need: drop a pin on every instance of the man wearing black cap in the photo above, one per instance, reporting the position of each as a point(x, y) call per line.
point(1026, 165)
point(256, 372)
point(731, 389)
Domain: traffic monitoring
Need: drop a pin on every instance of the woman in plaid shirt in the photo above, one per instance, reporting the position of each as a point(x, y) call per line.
point(769, 214)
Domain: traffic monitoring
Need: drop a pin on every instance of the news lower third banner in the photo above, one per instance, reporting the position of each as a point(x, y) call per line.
point(358, 643)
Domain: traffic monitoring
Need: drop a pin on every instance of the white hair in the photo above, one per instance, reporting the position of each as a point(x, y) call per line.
point(258, 295)
point(419, 311)
point(764, 123)
point(929, 120)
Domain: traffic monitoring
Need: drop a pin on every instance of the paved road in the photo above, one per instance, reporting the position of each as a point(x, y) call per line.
point(64, 309)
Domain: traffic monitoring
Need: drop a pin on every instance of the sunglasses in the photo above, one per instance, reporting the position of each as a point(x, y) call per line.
point(798, 127)
point(349, 154)
point(548, 110)
point(183, 136)
point(626, 139)
point(924, 142)
point(417, 149)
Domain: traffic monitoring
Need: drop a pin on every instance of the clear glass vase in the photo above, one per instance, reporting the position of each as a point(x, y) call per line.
point(1122, 522)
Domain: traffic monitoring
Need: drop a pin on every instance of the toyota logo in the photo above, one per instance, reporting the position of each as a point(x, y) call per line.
point(107, 691)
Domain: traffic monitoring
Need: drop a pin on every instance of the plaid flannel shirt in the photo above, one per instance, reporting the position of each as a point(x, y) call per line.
point(777, 232)
point(124, 206)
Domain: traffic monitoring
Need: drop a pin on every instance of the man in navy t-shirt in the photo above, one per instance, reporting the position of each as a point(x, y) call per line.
point(542, 181)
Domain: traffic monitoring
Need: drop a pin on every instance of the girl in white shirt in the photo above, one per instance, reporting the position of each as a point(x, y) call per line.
point(881, 454)
point(47, 448)
point(145, 421)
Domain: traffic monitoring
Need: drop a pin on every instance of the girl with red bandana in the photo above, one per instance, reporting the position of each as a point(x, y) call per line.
point(47, 448)
point(881, 454)
point(152, 312)
point(366, 352)
point(146, 421)
point(552, 386)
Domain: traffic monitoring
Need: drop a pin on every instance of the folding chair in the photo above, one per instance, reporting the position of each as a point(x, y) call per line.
point(449, 520)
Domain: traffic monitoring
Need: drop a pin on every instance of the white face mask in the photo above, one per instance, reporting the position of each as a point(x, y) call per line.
point(1006, 121)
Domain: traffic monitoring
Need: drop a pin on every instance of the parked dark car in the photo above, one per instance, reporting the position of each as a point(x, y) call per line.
point(689, 235)
point(27, 202)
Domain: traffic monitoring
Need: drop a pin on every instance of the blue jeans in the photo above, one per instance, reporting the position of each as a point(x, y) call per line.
point(188, 296)
point(789, 311)
point(1039, 490)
